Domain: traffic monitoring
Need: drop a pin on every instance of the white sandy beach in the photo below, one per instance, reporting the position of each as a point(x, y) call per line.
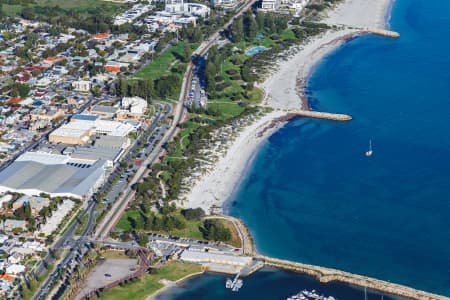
point(283, 92)
point(214, 188)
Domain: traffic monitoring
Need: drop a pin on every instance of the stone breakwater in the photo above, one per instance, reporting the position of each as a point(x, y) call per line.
point(383, 32)
point(326, 275)
point(321, 115)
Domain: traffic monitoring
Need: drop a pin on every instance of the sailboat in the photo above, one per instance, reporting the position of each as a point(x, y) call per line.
point(369, 152)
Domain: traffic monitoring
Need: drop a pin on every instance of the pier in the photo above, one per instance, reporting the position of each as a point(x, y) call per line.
point(320, 115)
point(383, 32)
point(326, 275)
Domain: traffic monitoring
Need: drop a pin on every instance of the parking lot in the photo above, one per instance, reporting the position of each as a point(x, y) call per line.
point(106, 272)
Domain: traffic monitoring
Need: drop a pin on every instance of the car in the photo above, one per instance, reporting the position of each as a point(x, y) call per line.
point(107, 275)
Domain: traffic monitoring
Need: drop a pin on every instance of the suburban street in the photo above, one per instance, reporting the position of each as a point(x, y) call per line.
point(78, 246)
point(125, 193)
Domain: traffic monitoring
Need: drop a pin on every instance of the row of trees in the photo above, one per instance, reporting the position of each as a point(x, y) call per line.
point(247, 27)
point(154, 222)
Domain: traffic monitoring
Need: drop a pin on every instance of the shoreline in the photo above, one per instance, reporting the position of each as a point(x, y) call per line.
point(174, 283)
point(284, 91)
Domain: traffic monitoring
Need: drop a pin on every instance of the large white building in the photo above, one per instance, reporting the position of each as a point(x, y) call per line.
point(180, 7)
point(224, 3)
point(34, 173)
point(134, 105)
point(82, 127)
point(82, 85)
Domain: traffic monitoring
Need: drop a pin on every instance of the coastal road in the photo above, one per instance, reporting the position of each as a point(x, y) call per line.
point(180, 112)
point(67, 240)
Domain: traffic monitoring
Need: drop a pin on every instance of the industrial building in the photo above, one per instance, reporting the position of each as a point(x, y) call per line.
point(82, 127)
point(57, 175)
point(108, 148)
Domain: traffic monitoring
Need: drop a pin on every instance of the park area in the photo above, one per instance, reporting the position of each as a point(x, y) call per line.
point(143, 287)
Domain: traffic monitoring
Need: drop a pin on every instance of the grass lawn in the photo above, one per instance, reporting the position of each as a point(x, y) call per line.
point(183, 141)
point(82, 225)
point(146, 285)
point(123, 223)
point(162, 64)
point(114, 254)
point(191, 231)
point(79, 6)
point(227, 108)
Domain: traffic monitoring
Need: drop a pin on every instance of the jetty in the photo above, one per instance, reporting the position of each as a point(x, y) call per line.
point(320, 115)
point(383, 32)
point(326, 275)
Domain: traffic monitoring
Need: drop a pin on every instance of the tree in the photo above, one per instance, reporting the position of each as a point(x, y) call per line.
point(27, 211)
point(96, 91)
point(123, 87)
point(260, 20)
point(17, 230)
point(237, 30)
point(250, 26)
point(193, 213)
point(215, 230)
point(142, 239)
point(187, 53)
point(28, 13)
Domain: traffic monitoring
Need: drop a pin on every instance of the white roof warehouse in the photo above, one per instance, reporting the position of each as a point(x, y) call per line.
point(34, 173)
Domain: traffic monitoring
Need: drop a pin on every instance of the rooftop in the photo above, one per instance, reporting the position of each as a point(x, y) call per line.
point(32, 177)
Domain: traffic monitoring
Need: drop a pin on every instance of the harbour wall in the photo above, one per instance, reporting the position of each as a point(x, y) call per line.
point(326, 275)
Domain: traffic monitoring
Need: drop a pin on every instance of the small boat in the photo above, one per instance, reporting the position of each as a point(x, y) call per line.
point(369, 152)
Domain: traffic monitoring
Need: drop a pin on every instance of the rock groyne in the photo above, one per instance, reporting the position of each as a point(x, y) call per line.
point(326, 275)
point(321, 115)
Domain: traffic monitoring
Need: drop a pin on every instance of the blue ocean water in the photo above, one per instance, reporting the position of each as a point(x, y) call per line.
point(267, 284)
point(313, 196)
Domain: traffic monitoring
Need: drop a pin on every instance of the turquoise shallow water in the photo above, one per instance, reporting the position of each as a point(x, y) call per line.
point(312, 195)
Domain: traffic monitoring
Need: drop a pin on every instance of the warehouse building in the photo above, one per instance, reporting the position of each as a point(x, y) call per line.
point(82, 127)
point(57, 175)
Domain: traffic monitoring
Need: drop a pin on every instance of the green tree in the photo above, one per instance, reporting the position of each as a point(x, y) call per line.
point(187, 53)
point(215, 230)
point(142, 239)
point(251, 27)
point(237, 30)
point(193, 213)
point(260, 20)
point(96, 91)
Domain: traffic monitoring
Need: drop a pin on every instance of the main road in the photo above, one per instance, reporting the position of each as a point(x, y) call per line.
point(179, 114)
point(119, 207)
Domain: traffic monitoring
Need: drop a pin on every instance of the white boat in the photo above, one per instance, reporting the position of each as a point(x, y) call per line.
point(370, 151)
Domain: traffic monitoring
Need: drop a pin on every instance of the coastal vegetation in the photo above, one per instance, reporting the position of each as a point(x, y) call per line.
point(161, 78)
point(92, 15)
point(233, 97)
point(142, 287)
point(171, 221)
